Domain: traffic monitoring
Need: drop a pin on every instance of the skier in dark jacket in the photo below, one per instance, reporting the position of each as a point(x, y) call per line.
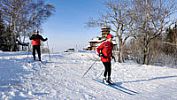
point(105, 52)
point(36, 42)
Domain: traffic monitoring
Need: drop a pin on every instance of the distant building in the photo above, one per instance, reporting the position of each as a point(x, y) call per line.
point(70, 50)
point(95, 42)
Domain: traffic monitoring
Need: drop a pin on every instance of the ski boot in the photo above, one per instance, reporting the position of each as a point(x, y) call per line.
point(109, 81)
point(104, 80)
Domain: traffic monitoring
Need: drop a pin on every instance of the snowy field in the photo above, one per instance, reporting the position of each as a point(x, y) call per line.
point(60, 78)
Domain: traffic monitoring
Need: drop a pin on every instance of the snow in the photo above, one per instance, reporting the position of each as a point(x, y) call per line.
point(61, 78)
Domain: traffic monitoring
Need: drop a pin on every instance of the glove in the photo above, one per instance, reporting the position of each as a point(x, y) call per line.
point(46, 39)
point(100, 54)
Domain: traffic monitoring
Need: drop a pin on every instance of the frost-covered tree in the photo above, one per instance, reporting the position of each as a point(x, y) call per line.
point(23, 16)
point(151, 19)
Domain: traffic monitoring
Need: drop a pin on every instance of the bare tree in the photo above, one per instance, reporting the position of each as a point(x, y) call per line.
point(152, 17)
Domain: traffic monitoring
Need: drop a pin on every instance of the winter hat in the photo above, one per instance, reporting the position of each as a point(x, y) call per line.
point(109, 36)
point(35, 31)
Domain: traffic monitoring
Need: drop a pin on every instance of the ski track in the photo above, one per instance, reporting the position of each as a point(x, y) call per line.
point(61, 79)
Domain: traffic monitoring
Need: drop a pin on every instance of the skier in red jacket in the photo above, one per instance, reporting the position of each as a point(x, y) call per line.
point(105, 52)
point(36, 42)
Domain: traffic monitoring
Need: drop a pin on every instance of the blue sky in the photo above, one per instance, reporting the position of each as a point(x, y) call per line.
point(66, 28)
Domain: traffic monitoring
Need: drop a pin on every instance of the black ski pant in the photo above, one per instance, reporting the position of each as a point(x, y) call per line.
point(107, 66)
point(36, 48)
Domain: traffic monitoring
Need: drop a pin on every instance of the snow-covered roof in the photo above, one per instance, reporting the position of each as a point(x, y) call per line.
point(96, 39)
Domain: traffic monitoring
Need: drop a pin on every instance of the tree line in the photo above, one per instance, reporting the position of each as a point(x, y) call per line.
point(145, 30)
point(19, 18)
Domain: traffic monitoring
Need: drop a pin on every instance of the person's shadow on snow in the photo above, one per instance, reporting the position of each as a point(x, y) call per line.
point(151, 79)
point(118, 85)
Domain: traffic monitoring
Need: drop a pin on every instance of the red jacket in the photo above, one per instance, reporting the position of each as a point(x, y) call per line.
point(36, 42)
point(106, 49)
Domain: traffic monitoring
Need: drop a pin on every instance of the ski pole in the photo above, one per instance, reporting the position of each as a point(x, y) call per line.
point(28, 55)
point(89, 68)
point(100, 74)
point(49, 50)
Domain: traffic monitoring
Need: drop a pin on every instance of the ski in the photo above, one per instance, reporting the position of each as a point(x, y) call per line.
point(104, 82)
point(42, 62)
point(117, 86)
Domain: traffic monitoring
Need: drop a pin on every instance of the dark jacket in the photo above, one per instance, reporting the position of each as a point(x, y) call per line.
point(36, 39)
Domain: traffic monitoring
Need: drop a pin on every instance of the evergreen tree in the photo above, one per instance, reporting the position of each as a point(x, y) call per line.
point(170, 35)
point(2, 32)
point(5, 36)
point(170, 39)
